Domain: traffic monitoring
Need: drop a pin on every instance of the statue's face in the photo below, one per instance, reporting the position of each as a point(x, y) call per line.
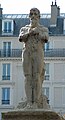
point(34, 15)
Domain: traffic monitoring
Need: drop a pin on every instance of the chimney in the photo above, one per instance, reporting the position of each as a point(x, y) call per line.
point(55, 11)
point(58, 11)
point(55, 2)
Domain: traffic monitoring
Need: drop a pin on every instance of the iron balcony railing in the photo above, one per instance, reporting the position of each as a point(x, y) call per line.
point(54, 52)
point(5, 101)
point(18, 53)
point(47, 77)
point(6, 77)
point(10, 53)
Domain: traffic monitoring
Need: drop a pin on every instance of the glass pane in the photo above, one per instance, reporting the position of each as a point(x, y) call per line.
point(9, 26)
point(46, 91)
point(4, 45)
point(4, 69)
point(5, 95)
point(8, 93)
point(4, 72)
point(47, 46)
point(5, 26)
point(9, 45)
point(47, 68)
point(8, 71)
point(4, 49)
point(9, 49)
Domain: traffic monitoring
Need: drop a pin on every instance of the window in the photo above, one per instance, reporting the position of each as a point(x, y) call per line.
point(5, 95)
point(7, 27)
point(6, 49)
point(46, 92)
point(46, 46)
point(64, 27)
point(6, 72)
point(47, 71)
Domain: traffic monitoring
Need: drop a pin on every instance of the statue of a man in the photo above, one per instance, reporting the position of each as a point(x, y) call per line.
point(34, 36)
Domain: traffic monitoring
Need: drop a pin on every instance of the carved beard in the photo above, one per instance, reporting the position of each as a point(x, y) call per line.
point(34, 21)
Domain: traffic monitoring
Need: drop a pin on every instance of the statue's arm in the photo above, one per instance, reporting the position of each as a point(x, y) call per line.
point(44, 34)
point(23, 35)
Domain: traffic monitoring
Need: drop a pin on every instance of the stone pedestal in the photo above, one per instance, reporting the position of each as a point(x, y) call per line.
point(37, 114)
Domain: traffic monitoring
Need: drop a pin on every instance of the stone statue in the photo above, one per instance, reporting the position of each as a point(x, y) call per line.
point(34, 36)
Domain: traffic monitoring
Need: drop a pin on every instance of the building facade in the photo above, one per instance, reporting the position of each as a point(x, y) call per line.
point(54, 84)
point(12, 84)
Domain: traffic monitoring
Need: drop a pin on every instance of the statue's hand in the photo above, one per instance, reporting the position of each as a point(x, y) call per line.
point(22, 37)
point(34, 31)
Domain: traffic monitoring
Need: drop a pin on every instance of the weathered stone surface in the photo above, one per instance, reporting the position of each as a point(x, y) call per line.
point(31, 115)
point(42, 104)
point(34, 36)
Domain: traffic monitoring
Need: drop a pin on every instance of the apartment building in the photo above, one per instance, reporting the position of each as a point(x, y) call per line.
point(54, 83)
point(12, 82)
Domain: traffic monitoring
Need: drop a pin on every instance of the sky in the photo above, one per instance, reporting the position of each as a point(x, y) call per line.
point(24, 6)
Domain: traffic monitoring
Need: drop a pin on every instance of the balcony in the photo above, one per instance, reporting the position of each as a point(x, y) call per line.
point(10, 53)
point(18, 53)
point(55, 53)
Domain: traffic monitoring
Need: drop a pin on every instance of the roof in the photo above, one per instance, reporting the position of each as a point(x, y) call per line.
point(21, 20)
point(46, 15)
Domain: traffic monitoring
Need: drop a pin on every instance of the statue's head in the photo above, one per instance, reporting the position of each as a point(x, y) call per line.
point(34, 14)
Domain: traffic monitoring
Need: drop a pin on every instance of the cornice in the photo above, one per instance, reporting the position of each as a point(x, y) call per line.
point(11, 59)
point(54, 58)
point(7, 83)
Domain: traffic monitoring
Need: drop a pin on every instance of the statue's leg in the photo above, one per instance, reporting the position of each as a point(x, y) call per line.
point(28, 89)
point(37, 87)
point(27, 67)
point(38, 75)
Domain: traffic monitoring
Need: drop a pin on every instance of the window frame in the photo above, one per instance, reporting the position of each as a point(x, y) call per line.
point(47, 75)
point(46, 46)
point(6, 49)
point(46, 92)
point(6, 71)
point(6, 23)
point(6, 96)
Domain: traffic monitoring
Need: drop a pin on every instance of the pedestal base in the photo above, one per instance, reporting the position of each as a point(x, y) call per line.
point(37, 114)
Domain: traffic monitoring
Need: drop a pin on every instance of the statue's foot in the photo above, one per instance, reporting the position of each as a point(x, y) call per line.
point(28, 106)
point(34, 105)
point(31, 106)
